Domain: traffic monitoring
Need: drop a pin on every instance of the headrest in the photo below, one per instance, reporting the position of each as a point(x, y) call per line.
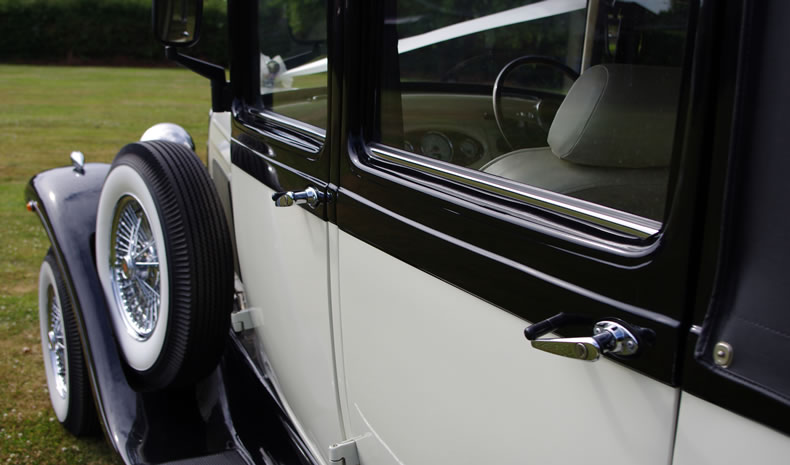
point(618, 115)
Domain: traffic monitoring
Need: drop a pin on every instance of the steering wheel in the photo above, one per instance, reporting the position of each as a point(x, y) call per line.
point(500, 79)
point(484, 62)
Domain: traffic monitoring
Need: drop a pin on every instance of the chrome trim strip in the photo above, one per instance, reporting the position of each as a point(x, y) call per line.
point(295, 124)
point(597, 214)
point(697, 330)
point(268, 158)
point(537, 223)
point(534, 272)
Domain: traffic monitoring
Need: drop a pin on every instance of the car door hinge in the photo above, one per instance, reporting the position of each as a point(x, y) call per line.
point(344, 453)
point(244, 319)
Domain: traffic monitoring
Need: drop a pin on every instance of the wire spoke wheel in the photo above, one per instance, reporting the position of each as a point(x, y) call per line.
point(56, 344)
point(134, 264)
point(64, 364)
point(165, 262)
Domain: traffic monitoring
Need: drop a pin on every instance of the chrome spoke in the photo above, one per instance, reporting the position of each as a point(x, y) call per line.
point(135, 268)
point(147, 245)
point(151, 302)
point(57, 345)
point(150, 290)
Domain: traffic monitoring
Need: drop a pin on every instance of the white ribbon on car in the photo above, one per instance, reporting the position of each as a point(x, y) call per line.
point(517, 15)
point(274, 74)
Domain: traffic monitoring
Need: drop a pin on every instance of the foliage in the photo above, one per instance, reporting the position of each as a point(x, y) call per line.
point(50, 111)
point(293, 29)
point(78, 30)
point(478, 58)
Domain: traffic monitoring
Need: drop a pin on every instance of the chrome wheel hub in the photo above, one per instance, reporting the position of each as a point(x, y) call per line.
point(127, 267)
point(134, 265)
point(56, 343)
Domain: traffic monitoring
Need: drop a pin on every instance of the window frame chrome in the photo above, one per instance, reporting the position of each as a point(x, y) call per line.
point(305, 129)
point(611, 219)
point(268, 123)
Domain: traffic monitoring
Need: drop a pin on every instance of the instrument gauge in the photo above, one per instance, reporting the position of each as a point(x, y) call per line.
point(436, 145)
point(470, 150)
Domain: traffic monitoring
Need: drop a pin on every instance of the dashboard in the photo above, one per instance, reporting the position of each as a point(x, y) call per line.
point(457, 128)
point(461, 129)
point(448, 146)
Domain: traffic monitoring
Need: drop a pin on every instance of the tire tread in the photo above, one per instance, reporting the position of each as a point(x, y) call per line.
point(81, 419)
point(199, 254)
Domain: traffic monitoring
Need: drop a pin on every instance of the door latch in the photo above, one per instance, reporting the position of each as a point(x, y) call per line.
point(609, 337)
point(310, 196)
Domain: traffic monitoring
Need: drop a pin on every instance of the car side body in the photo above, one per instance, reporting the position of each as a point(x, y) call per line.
point(628, 211)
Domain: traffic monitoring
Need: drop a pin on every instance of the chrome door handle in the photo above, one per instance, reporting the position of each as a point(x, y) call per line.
point(310, 196)
point(608, 337)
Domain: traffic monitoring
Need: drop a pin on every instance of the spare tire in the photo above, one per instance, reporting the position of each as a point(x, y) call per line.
point(164, 258)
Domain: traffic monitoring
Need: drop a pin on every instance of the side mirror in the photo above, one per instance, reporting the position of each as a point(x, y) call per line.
point(177, 22)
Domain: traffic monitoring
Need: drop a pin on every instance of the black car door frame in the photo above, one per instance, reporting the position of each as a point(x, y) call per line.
point(423, 219)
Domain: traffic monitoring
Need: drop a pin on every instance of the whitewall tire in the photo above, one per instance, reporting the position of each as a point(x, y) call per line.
point(128, 212)
point(64, 365)
point(164, 259)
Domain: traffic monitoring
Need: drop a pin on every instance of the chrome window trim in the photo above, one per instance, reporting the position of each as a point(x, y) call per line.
point(269, 158)
point(599, 215)
point(298, 134)
point(295, 124)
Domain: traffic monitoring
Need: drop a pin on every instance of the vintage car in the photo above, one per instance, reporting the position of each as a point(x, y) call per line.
point(421, 222)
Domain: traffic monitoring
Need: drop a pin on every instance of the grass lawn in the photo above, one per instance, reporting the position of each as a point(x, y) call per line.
point(46, 113)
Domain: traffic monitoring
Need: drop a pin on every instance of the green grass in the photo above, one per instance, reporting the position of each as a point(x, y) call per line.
point(47, 113)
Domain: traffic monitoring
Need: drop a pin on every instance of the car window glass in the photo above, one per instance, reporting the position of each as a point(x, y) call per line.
point(586, 92)
point(293, 58)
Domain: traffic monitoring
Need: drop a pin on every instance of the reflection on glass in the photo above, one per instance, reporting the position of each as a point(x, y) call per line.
point(175, 22)
point(605, 137)
point(293, 79)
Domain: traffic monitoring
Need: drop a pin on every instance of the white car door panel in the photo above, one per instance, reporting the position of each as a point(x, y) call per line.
point(710, 435)
point(285, 266)
point(461, 225)
point(393, 314)
point(436, 375)
point(280, 145)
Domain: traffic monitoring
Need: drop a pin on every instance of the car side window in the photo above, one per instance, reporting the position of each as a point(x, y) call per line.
point(293, 58)
point(547, 94)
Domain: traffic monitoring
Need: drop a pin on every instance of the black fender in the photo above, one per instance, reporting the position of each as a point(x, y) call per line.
point(233, 411)
point(66, 202)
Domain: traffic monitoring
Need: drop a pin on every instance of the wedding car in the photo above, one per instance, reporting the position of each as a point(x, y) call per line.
point(439, 232)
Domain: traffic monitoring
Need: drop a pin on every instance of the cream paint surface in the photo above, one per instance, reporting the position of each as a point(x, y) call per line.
point(710, 435)
point(219, 142)
point(434, 375)
point(284, 262)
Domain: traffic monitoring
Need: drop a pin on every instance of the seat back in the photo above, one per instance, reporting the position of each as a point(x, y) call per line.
point(610, 142)
point(618, 116)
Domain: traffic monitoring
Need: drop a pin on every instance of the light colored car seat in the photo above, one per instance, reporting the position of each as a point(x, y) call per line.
point(610, 142)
